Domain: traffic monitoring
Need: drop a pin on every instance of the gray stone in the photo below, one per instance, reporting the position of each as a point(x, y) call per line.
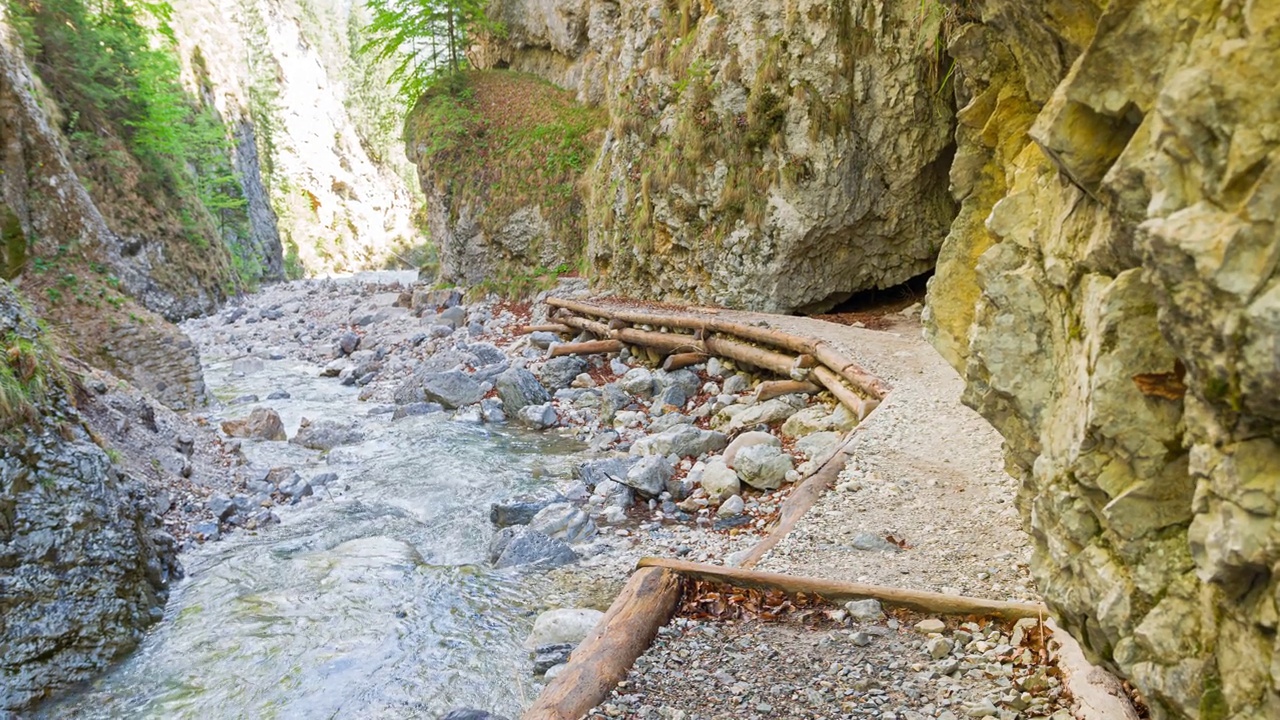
point(538, 417)
point(518, 546)
point(731, 507)
point(748, 439)
point(543, 339)
point(762, 466)
point(521, 509)
point(221, 507)
point(558, 373)
point(546, 657)
point(262, 424)
point(649, 475)
point(594, 472)
point(519, 388)
point(416, 408)
point(615, 494)
point(563, 625)
point(737, 383)
point(326, 435)
point(672, 396)
point(638, 381)
point(719, 480)
point(682, 440)
point(867, 610)
point(451, 388)
point(930, 625)
point(348, 342)
point(938, 647)
point(492, 411)
point(563, 521)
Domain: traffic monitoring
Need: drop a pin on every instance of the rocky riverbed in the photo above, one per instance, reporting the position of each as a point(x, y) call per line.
point(325, 391)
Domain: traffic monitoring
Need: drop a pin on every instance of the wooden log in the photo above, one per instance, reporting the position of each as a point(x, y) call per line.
point(1096, 694)
point(804, 361)
point(558, 328)
point(591, 347)
point(773, 388)
point(683, 360)
point(760, 357)
point(840, 591)
point(598, 329)
point(663, 342)
point(602, 660)
point(860, 407)
point(851, 371)
point(824, 352)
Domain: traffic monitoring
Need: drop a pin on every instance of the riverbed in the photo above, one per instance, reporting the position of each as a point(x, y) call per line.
point(371, 599)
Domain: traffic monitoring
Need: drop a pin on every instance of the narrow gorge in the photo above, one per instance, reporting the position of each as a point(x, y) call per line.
point(359, 343)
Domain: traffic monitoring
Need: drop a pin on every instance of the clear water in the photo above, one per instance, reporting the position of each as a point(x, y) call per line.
point(374, 603)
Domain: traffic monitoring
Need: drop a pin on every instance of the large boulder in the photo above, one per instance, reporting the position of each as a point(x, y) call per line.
point(451, 388)
point(263, 424)
point(518, 388)
point(681, 440)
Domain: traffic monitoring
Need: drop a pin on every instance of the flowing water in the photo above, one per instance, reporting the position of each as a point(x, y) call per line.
point(375, 602)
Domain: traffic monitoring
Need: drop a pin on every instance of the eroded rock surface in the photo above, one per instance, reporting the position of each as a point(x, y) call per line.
point(1109, 291)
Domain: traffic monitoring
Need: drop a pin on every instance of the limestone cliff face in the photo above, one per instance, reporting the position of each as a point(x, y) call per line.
point(772, 154)
point(1109, 291)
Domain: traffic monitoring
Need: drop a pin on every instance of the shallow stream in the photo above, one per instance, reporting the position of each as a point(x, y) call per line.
point(375, 602)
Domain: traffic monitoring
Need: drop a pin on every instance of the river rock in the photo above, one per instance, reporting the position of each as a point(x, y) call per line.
point(594, 472)
point(416, 408)
point(638, 381)
point(736, 383)
point(519, 388)
point(815, 418)
point(731, 507)
point(546, 657)
point(558, 373)
point(455, 317)
point(682, 440)
point(519, 545)
point(685, 379)
point(262, 423)
point(538, 417)
point(564, 625)
point(295, 488)
point(649, 475)
point(487, 353)
point(543, 339)
point(816, 444)
point(326, 435)
point(767, 412)
point(673, 396)
point(521, 509)
point(762, 466)
point(614, 494)
point(348, 342)
point(746, 440)
point(563, 521)
point(492, 411)
point(868, 610)
point(612, 400)
point(451, 388)
point(720, 482)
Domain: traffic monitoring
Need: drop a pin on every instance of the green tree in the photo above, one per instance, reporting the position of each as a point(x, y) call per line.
point(426, 38)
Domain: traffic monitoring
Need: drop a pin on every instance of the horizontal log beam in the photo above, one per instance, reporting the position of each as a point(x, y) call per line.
point(773, 388)
point(683, 360)
point(598, 329)
point(860, 407)
point(557, 328)
point(824, 352)
point(660, 341)
point(840, 591)
point(590, 347)
point(602, 660)
point(742, 352)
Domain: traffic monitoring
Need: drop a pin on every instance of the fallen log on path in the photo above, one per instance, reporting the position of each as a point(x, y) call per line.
point(770, 389)
point(590, 347)
point(602, 660)
point(840, 591)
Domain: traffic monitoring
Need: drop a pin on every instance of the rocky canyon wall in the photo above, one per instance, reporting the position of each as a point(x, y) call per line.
point(772, 154)
point(1109, 292)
